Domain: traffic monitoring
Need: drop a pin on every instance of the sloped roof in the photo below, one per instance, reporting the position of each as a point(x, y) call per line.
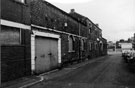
point(81, 18)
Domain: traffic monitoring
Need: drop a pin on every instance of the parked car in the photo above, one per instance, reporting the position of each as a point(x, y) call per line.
point(124, 52)
point(129, 55)
point(131, 59)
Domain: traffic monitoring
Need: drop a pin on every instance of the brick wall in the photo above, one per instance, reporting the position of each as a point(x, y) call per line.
point(46, 15)
point(12, 58)
point(14, 11)
point(68, 57)
point(16, 59)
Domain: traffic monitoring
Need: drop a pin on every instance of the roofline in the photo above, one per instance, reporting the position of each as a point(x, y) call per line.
point(93, 23)
point(89, 20)
point(44, 1)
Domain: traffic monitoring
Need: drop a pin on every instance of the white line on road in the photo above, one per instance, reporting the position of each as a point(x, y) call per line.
point(41, 79)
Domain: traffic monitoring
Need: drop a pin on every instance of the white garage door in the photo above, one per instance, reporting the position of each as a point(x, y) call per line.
point(46, 54)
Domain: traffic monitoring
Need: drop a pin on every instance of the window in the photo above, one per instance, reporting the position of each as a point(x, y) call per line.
point(90, 44)
point(21, 1)
point(90, 30)
point(95, 27)
point(82, 44)
point(71, 43)
point(101, 45)
point(90, 24)
point(10, 35)
point(95, 46)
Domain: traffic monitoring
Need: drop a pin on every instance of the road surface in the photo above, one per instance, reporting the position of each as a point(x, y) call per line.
point(108, 72)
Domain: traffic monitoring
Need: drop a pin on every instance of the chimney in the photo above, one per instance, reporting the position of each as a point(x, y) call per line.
point(97, 25)
point(72, 10)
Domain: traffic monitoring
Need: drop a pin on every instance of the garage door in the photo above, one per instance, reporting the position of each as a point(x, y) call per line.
point(46, 54)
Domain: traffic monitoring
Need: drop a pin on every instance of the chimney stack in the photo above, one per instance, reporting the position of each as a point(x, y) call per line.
point(72, 10)
point(97, 25)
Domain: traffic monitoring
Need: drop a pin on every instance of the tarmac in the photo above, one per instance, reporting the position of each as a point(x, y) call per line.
point(25, 82)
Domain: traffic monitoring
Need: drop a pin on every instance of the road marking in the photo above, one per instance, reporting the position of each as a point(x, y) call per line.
point(41, 79)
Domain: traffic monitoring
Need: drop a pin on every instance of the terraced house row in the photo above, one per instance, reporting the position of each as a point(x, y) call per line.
point(38, 37)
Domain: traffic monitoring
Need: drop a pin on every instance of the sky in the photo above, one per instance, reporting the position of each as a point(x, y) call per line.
point(116, 18)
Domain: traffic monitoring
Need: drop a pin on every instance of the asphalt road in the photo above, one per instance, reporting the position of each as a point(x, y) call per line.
point(108, 72)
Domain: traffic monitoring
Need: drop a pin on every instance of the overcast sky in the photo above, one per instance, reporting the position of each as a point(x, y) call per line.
point(116, 18)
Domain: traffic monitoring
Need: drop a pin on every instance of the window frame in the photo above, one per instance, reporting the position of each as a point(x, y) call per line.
point(70, 37)
point(82, 44)
point(20, 36)
point(90, 30)
point(90, 45)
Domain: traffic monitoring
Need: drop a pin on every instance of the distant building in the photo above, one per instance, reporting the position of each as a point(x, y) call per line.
point(98, 43)
point(126, 46)
point(111, 46)
point(129, 43)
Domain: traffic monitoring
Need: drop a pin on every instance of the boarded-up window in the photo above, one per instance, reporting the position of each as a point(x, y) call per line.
point(10, 35)
point(71, 43)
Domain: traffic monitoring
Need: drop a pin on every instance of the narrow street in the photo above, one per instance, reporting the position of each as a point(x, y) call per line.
point(108, 72)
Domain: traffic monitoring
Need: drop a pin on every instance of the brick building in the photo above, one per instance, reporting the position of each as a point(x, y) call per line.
point(15, 39)
point(96, 43)
point(46, 18)
point(38, 37)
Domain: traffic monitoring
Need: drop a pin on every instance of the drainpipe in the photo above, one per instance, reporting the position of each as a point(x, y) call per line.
point(79, 40)
point(0, 48)
point(0, 54)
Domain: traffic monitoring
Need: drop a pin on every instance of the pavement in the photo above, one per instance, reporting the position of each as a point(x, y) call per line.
point(31, 80)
